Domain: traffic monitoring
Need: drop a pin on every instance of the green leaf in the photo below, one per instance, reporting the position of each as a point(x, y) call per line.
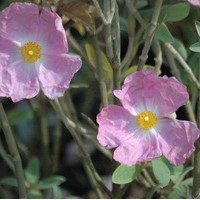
point(161, 172)
point(34, 194)
point(107, 68)
point(195, 47)
point(124, 174)
point(169, 13)
point(197, 25)
point(57, 192)
point(10, 181)
point(16, 116)
point(50, 182)
point(79, 85)
point(176, 174)
point(32, 171)
point(179, 46)
point(128, 71)
point(163, 34)
point(175, 12)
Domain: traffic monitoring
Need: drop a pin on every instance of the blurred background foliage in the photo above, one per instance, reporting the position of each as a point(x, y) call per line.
point(52, 162)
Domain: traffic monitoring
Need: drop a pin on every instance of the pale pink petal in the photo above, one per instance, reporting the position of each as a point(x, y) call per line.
point(144, 90)
point(133, 151)
point(177, 139)
point(11, 49)
point(19, 21)
point(194, 2)
point(116, 125)
point(24, 81)
point(51, 33)
point(56, 72)
point(5, 77)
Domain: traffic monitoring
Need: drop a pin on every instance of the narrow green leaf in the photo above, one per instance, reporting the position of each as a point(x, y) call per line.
point(175, 12)
point(169, 13)
point(195, 47)
point(57, 192)
point(107, 68)
point(197, 25)
point(16, 116)
point(163, 34)
point(32, 171)
point(50, 182)
point(10, 181)
point(161, 172)
point(124, 174)
point(179, 46)
point(34, 194)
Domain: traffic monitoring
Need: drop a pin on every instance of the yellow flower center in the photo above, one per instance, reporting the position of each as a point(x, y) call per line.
point(31, 52)
point(147, 120)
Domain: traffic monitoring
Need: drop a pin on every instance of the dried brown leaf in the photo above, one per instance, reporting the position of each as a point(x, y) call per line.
point(78, 12)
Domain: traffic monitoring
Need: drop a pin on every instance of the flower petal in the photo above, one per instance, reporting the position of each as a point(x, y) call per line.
point(133, 151)
point(194, 2)
point(51, 33)
point(11, 49)
point(24, 82)
point(177, 139)
point(19, 21)
point(56, 72)
point(144, 90)
point(5, 77)
point(116, 125)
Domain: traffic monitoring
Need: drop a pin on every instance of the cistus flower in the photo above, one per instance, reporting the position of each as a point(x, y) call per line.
point(142, 129)
point(33, 53)
point(194, 2)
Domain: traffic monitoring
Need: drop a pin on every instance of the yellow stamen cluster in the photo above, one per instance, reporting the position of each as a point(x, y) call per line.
point(147, 120)
point(31, 52)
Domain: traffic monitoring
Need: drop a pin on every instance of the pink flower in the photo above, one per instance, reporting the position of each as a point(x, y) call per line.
point(33, 53)
point(194, 2)
point(142, 130)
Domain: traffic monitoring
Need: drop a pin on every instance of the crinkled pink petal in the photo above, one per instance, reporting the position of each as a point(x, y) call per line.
point(194, 2)
point(24, 81)
point(51, 33)
point(177, 139)
point(116, 125)
point(11, 49)
point(5, 77)
point(144, 90)
point(19, 21)
point(56, 72)
point(134, 151)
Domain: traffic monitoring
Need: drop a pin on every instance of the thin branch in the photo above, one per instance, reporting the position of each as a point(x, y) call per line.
point(176, 73)
point(150, 34)
point(183, 64)
point(103, 88)
point(158, 53)
point(12, 146)
point(72, 127)
point(196, 170)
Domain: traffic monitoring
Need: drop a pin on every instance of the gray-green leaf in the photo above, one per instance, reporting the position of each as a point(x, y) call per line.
point(50, 182)
point(163, 34)
point(32, 171)
point(124, 174)
point(161, 172)
point(195, 47)
point(10, 181)
point(197, 25)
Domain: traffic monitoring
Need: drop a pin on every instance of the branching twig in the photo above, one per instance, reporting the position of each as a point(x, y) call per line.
point(12, 146)
point(150, 34)
point(183, 64)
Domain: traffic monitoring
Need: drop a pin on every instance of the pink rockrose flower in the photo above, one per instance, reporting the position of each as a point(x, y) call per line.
point(33, 53)
point(194, 2)
point(142, 129)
